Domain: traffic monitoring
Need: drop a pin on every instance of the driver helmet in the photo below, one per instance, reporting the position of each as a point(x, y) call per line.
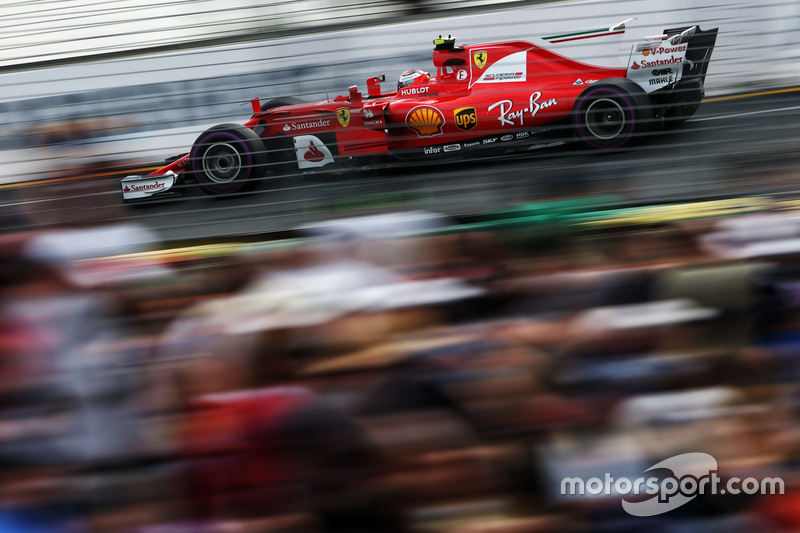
point(413, 77)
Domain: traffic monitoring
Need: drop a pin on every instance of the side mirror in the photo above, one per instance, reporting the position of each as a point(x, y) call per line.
point(355, 96)
point(256, 103)
point(374, 85)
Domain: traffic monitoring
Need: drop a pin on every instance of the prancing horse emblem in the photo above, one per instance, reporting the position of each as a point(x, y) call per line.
point(480, 59)
point(343, 114)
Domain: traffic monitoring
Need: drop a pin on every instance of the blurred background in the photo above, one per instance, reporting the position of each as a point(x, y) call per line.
point(406, 349)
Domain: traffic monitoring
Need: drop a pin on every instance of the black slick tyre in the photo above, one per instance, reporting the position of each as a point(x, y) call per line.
point(228, 159)
point(611, 114)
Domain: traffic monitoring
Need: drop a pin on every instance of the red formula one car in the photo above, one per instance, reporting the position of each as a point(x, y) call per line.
point(488, 97)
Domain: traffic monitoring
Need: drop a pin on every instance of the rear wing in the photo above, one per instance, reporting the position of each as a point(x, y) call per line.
point(698, 54)
point(679, 54)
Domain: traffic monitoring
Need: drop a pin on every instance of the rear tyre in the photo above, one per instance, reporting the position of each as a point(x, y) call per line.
point(611, 114)
point(227, 159)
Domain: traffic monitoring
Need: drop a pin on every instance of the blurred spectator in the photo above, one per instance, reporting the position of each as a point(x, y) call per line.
point(390, 374)
point(276, 454)
point(39, 500)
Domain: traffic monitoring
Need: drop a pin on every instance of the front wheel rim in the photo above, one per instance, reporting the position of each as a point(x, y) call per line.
point(222, 163)
point(605, 118)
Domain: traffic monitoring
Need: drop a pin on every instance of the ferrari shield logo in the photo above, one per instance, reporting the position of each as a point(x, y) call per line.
point(343, 114)
point(480, 59)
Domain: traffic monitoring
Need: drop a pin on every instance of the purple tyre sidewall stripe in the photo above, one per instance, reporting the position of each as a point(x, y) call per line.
point(244, 150)
point(626, 102)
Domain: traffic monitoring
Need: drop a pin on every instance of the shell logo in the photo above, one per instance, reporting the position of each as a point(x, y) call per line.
point(425, 120)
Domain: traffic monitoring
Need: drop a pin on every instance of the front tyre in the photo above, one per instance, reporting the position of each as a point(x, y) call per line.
point(227, 159)
point(611, 114)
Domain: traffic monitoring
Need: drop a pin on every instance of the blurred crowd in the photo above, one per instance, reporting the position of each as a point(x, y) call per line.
point(393, 373)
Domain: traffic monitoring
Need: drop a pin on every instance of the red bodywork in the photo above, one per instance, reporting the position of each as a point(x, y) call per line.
point(480, 95)
point(492, 97)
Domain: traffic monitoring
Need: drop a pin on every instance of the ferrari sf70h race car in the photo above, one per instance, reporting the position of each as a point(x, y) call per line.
point(483, 98)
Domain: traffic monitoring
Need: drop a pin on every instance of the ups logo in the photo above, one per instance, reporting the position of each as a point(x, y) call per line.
point(466, 118)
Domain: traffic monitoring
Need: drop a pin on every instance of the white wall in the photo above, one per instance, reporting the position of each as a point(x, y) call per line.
point(756, 49)
point(757, 42)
